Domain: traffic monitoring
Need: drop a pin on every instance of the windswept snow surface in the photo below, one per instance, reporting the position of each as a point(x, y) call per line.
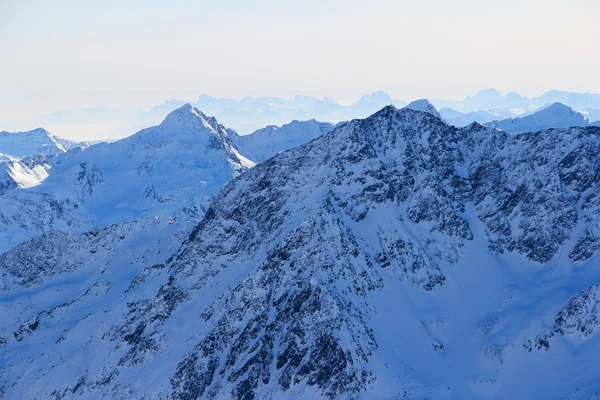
point(394, 257)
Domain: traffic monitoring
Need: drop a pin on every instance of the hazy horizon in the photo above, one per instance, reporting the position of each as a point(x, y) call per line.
point(344, 102)
point(111, 123)
point(63, 54)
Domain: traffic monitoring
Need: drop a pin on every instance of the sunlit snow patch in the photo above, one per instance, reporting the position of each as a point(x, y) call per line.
point(27, 177)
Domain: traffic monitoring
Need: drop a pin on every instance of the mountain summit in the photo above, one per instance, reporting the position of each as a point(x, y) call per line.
point(556, 115)
point(18, 145)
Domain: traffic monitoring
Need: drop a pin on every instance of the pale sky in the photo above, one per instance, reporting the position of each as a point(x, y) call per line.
point(82, 53)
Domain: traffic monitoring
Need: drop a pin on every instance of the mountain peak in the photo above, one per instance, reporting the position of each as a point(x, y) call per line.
point(23, 144)
point(559, 107)
point(385, 112)
point(424, 105)
point(556, 115)
point(185, 111)
point(190, 117)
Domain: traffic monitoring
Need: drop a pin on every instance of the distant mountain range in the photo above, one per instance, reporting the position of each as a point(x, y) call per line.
point(491, 99)
point(249, 114)
point(244, 116)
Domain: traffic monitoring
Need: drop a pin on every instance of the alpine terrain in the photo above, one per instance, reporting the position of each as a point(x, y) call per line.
point(170, 170)
point(266, 142)
point(15, 146)
point(393, 257)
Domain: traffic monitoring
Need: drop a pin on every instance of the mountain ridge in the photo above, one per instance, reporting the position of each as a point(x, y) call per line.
point(556, 115)
point(305, 272)
point(18, 145)
point(172, 169)
point(249, 114)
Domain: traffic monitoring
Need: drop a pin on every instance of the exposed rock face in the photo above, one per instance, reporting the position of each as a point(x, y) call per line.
point(579, 318)
point(316, 272)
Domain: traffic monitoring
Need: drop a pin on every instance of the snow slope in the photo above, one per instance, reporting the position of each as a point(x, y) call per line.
point(460, 120)
point(556, 115)
point(172, 169)
point(394, 257)
point(249, 114)
point(18, 145)
point(266, 142)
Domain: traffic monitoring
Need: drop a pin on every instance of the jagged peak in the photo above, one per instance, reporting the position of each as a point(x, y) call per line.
point(391, 111)
point(187, 111)
point(193, 125)
point(385, 112)
point(190, 117)
point(41, 130)
point(404, 115)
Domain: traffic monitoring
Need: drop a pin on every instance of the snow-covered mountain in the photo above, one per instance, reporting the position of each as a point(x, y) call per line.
point(395, 257)
point(172, 169)
point(425, 106)
point(556, 115)
point(460, 119)
point(266, 142)
point(18, 145)
point(244, 116)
